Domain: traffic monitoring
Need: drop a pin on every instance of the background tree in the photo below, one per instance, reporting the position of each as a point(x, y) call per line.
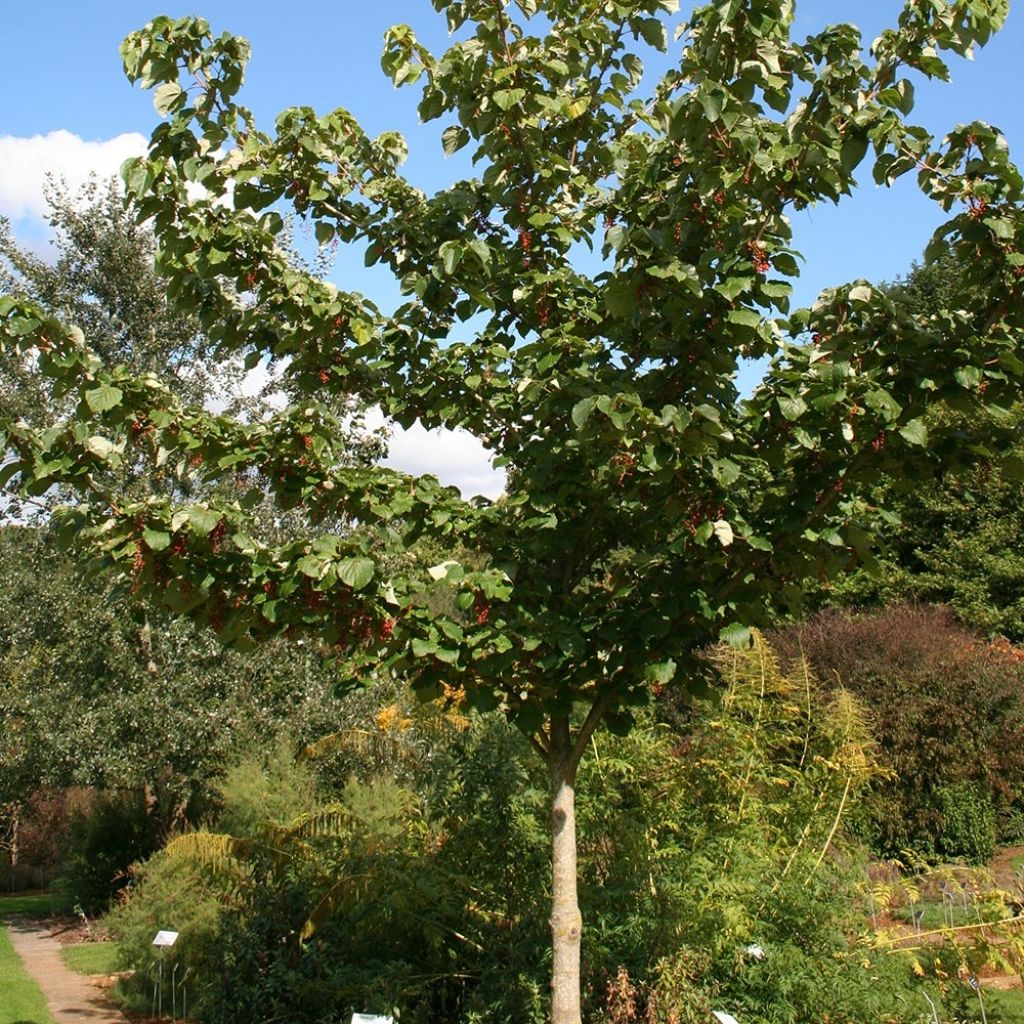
point(958, 538)
point(95, 689)
point(648, 508)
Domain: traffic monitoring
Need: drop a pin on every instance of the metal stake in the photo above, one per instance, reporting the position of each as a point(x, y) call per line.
point(976, 985)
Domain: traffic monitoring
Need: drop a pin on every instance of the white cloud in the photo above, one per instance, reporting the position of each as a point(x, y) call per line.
point(455, 457)
point(25, 163)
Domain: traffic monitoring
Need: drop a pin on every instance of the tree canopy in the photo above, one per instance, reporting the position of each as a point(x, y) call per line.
point(648, 508)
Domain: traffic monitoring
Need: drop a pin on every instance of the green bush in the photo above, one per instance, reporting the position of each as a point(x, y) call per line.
point(968, 829)
point(947, 711)
point(261, 787)
point(177, 893)
point(430, 897)
point(104, 839)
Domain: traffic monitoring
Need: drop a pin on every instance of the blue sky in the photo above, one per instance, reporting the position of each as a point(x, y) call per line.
point(61, 73)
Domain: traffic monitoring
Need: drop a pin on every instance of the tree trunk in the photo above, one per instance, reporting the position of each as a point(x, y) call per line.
point(566, 921)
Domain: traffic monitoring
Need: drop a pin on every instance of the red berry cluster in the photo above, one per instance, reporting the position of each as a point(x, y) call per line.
point(481, 609)
point(217, 536)
point(179, 545)
point(313, 599)
point(362, 628)
point(879, 442)
point(759, 258)
point(138, 563)
point(701, 514)
point(324, 375)
point(976, 208)
point(386, 628)
point(626, 464)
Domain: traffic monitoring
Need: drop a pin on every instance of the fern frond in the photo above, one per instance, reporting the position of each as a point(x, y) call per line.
point(331, 821)
point(215, 849)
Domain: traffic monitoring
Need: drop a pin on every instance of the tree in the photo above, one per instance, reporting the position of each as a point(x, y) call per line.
point(959, 539)
point(95, 690)
point(648, 509)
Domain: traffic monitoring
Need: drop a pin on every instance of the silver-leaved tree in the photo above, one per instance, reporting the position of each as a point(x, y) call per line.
point(648, 508)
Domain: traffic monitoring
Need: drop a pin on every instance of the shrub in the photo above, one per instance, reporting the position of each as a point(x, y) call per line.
point(947, 708)
point(431, 898)
point(968, 828)
point(177, 893)
point(104, 839)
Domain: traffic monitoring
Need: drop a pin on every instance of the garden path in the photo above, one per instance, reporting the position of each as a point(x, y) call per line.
point(72, 998)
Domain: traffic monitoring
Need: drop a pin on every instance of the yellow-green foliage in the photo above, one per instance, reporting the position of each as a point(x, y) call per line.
point(696, 842)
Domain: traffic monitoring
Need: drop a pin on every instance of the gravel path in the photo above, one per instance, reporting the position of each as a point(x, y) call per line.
point(72, 998)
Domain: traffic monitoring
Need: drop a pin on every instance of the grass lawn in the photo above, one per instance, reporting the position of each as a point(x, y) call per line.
point(40, 904)
point(21, 1002)
point(1005, 1007)
point(91, 957)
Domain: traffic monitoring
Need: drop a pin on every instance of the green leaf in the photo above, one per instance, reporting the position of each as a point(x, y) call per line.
point(201, 520)
point(915, 432)
point(451, 256)
point(103, 398)
point(167, 97)
point(661, 672)
point(454, 138)
point(792, 406)
point(736, 635)
point(156, 540)
point(852, 151)
point(615, 236)
point(654, 34)
point(712, 101)
point(355, 572)
point(745, 317)
point(725, 471)
point(449, 570)
point(581, 411)
point(313, 566)
point(100, 447)
point(723, 531)
point(506, 98)
point(968, 377)
point(620, 297)
point(884, 404)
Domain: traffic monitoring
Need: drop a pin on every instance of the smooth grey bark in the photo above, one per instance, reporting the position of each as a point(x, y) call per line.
point(566, 920)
